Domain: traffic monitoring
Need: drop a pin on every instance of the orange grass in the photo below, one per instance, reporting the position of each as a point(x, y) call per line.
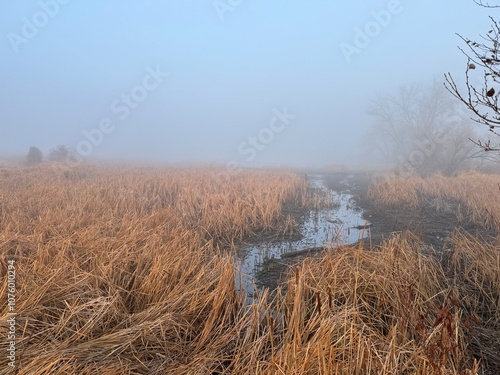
point(119, 270)
point(128, 271)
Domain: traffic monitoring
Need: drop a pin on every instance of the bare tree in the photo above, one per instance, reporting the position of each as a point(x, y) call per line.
point(482, 76)
point(62, 154)
point(421, 130)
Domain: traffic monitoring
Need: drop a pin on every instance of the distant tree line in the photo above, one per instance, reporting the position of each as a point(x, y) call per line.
point(60, 153)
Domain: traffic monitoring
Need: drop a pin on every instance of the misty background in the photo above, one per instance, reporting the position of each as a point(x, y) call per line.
point(231, 65)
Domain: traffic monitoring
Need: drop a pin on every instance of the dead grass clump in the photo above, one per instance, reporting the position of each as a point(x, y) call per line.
point(354, 311)
point(394, 191)
point(393, 310)
point(474, 269)
point(477, 195)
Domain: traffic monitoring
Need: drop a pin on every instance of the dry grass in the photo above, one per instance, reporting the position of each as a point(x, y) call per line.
point(123, 272)
point(394, 311)
point(477, 195)
point(119, 271)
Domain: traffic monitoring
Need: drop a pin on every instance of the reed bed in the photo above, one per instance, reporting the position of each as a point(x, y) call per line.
point(125, 270)
point(474, 196)
point(129, 271)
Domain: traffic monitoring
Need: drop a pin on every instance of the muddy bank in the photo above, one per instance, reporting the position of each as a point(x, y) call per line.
point(265, 262)
point(433, 226)
point(378, 222)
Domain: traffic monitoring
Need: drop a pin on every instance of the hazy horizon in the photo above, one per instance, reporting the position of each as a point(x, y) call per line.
point(209, 82)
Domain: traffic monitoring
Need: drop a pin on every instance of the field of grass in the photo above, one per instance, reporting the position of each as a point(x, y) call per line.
point(131, 271)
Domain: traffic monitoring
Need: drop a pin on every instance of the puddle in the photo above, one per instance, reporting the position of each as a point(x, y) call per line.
point(341, 225)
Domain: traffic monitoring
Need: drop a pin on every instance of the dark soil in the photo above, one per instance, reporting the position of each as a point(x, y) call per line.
point(433, 226)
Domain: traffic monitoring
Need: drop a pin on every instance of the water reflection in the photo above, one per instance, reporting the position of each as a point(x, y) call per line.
point(343, 224)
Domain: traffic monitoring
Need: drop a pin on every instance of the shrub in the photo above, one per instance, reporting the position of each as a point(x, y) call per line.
point(34, 156)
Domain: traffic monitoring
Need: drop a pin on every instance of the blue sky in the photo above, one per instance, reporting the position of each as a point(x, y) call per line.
point(230, 68)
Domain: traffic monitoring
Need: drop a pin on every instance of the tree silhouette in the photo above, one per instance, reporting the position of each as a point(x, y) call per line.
point(421, 130)
point(34, 156)
point(62, 153)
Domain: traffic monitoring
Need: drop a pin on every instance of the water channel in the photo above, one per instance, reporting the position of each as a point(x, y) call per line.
point(327, 228)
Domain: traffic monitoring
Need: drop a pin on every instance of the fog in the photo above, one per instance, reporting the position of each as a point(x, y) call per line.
point(248, 82)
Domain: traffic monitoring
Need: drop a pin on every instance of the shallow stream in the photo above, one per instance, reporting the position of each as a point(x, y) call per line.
point(341, 225)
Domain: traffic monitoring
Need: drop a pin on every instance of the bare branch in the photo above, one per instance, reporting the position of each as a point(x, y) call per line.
point(483, 59)
point(485, 5)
